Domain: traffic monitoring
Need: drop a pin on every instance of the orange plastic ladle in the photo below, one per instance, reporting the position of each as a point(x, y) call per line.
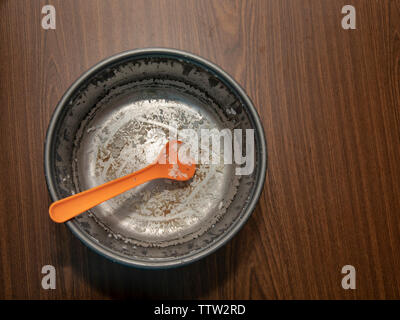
point(166, 166)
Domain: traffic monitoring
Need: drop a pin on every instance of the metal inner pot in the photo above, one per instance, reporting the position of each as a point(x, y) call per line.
point(115, 118)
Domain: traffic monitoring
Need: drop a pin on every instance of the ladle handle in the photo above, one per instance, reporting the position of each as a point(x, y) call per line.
point(68, 208)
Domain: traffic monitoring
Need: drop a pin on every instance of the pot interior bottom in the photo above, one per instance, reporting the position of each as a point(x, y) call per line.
point(125, 132)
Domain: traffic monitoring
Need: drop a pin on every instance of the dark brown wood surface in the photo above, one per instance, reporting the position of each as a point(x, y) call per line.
point(329, 100)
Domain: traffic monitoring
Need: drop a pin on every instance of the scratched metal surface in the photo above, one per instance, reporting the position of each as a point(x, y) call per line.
point(127, 135)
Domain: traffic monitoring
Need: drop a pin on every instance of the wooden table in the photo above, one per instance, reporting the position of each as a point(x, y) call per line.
point(329, 100)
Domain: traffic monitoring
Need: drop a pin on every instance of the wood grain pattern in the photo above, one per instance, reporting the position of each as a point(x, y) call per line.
point(329, 100)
